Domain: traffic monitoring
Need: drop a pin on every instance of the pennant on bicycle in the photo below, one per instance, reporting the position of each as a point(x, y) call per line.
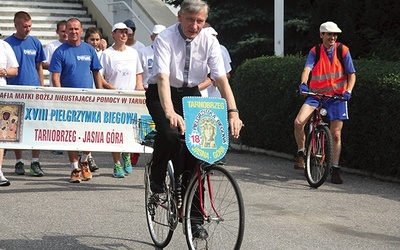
point(207, 134)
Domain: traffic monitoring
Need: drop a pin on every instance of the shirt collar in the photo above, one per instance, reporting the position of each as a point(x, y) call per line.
point(188, 40)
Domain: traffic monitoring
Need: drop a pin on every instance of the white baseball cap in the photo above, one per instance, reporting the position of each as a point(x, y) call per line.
point(158, 28)
point(130, 31)
point(211, 30)
point(329, 27)
point(119, 26)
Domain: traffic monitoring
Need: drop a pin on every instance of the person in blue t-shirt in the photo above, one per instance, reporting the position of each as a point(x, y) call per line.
point(74, 65)
point(30, 55)
point(29, 52)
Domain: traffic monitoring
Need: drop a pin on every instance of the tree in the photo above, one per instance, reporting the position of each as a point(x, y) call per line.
point(370, 28)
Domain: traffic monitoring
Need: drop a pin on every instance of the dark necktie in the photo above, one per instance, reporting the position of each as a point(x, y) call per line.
point(187, 58)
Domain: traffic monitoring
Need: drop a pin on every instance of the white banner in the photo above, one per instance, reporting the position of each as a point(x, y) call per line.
point(49, 118)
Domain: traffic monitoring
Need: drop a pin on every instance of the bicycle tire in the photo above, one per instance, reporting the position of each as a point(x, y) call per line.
point(226, 230)
point(319, 156)
point(159, 211)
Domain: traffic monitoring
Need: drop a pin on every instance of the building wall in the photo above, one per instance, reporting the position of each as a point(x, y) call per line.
point(146, 13)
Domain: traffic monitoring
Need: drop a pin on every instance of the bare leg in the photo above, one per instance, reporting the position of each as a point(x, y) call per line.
point(116, 156)
point(73, 156)
point(35, 153)
point(336, 131)
point(302, 117)
point(18, 153)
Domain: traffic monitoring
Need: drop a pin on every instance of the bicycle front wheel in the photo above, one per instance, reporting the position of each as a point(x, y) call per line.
point(160, 212)
point(221, 211)
point(319, 156)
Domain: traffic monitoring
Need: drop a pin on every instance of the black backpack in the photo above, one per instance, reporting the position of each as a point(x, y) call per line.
point(339, 52)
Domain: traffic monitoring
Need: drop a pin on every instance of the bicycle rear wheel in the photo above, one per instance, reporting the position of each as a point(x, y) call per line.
point(224, 208)
point(319, 156)
point(161, 212)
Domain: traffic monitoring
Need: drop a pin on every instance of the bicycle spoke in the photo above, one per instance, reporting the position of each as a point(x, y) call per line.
point(319, 156)
point(224, 218)
point(160, 214)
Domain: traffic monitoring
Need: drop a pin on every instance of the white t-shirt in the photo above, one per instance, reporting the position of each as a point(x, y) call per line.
point(48, 51)
point(121, 67)
point(7, 59)
point(138, 45)
point(212, 91)
point(99, 52)
point(227, 59)
point(170, 52)
point(50, 48)
point(146, 56)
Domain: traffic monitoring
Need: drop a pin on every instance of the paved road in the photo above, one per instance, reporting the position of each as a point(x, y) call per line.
point(282, 212)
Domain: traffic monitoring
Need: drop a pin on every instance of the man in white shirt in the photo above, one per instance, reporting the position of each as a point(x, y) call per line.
point(51, 47)
point(212, 90)
point(132, 42)
point(146, 55)
point(183, 53)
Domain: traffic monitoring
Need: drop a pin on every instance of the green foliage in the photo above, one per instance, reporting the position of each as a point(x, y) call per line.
point(265, 91)
point(265, 86)
point(370, 28)
point(370, 139)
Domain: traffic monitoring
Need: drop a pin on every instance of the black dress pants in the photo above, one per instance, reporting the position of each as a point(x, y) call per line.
point(167, 145)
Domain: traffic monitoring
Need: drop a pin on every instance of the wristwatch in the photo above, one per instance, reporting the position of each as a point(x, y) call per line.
point(5, 73)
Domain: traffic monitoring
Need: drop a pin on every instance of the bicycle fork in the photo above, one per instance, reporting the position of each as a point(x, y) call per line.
point(318, 146)
point(200, 172)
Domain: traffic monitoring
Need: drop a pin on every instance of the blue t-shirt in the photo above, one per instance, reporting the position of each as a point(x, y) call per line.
point(75, 64)
point(28, 51)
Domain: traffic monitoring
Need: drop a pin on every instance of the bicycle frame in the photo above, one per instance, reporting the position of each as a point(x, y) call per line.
point(316, 120)
point(211, 209)
point(318, 144)
point(197, 176)
point(316, 117)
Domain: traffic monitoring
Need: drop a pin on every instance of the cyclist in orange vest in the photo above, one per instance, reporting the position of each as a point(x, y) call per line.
point(331, 74)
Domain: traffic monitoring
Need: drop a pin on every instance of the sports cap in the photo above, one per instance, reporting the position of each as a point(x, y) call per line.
point(130, 24)
point(329, 27)
point(211, 30)
point(119, 26)
point(130, 31)
point(158, 28)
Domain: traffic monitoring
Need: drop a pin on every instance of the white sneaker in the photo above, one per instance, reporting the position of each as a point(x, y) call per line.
point(4, 181)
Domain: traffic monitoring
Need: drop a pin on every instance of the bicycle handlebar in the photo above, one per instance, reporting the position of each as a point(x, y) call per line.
point(337, 97)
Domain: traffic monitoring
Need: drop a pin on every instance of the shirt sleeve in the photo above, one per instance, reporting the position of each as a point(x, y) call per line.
point(215, 61)
point(162, 56)
point(348, 64)
point(47, 51)
point(40, 56)
point(95, 64)
point(227, 59)
point(12, 61)
point(139, 67)
point(310, 60)
point(55, 63)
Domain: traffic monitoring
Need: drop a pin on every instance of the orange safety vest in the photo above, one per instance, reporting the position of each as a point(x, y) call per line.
point(326, 77)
